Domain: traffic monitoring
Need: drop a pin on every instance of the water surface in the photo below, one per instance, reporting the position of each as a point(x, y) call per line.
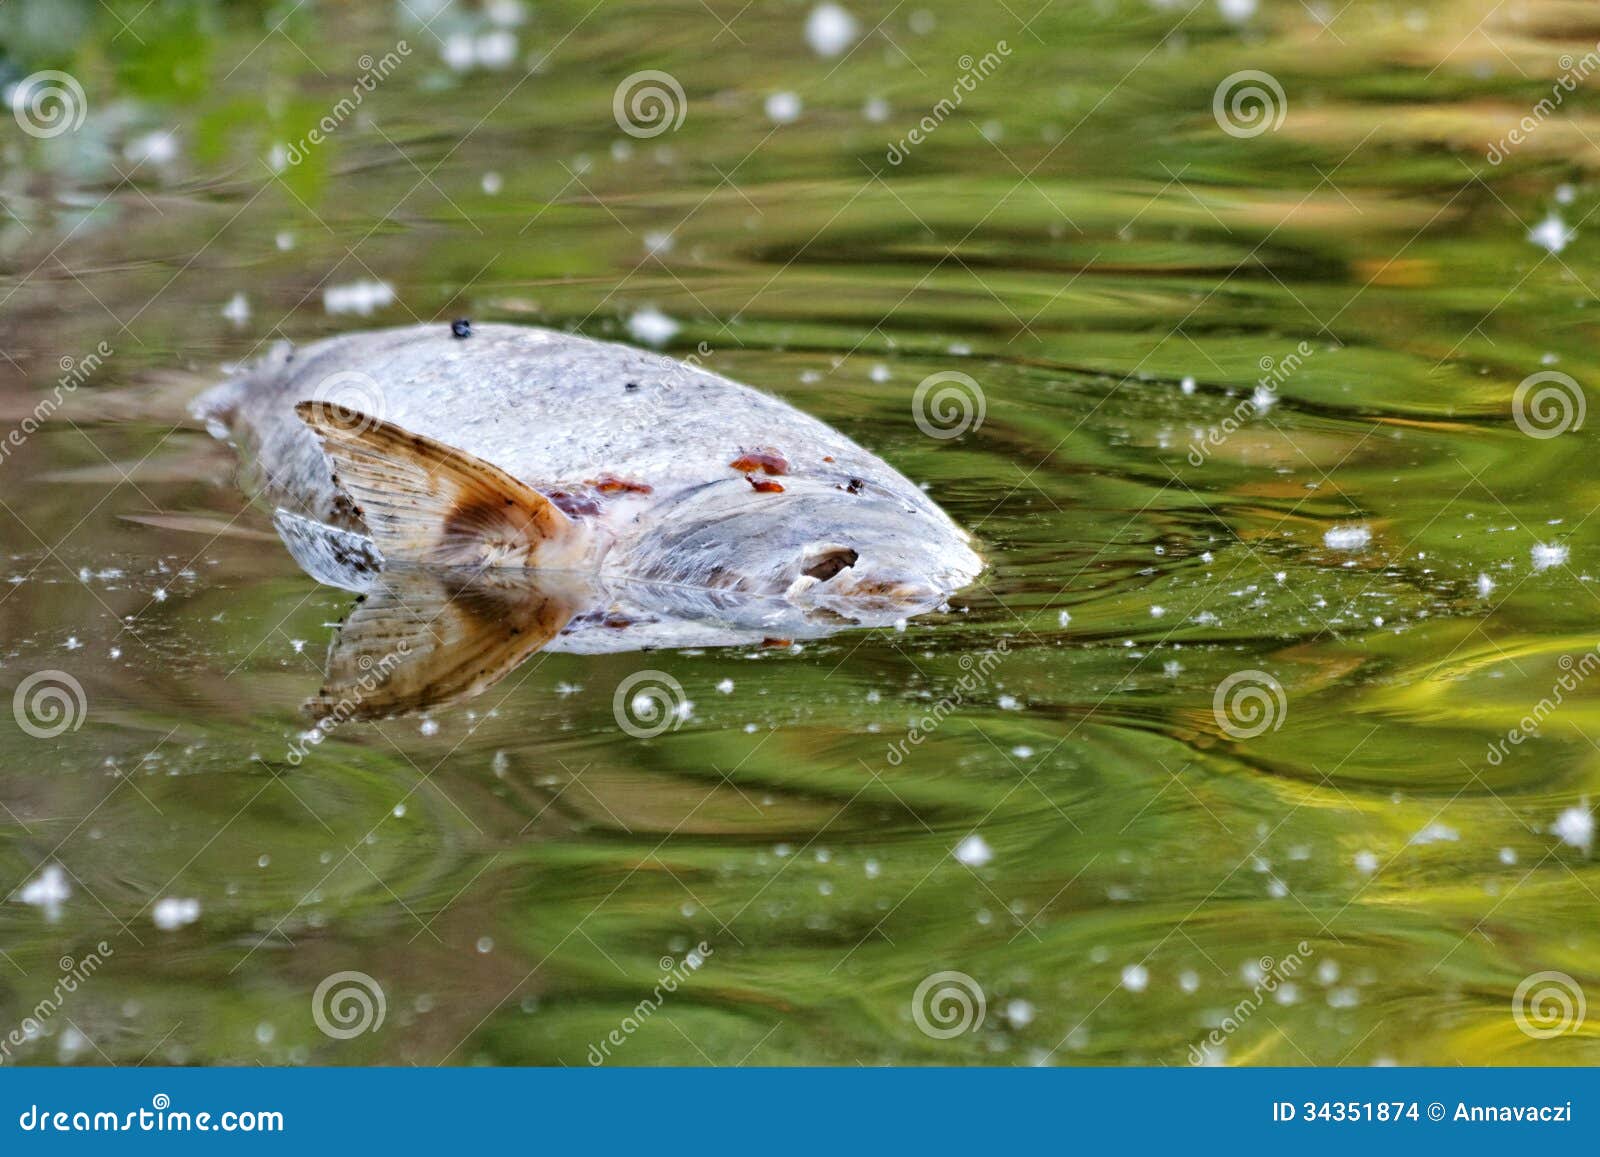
point(1354, 874)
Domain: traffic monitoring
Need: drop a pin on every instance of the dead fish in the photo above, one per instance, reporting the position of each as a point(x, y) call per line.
point(512, 446)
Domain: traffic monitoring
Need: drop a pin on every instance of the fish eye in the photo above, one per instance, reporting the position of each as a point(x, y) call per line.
point(830, 562)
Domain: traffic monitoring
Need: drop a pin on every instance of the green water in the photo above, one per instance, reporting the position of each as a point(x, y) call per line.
point(1367, 879)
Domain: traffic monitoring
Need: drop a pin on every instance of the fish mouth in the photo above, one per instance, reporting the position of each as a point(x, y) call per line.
point(832, 578)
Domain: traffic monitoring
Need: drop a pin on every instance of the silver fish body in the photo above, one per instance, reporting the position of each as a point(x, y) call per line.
point(680, 478)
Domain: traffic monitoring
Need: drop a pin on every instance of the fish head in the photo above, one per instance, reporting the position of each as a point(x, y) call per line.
point(853, 551)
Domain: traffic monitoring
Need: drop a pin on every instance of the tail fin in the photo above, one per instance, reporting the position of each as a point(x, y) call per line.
point(427, 502)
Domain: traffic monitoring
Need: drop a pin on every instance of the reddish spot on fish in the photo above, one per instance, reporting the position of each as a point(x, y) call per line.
point(827, 457)
point(611, 484)
point(769, 641)
point(764, 485)
point(760, 461)
point(574, 505)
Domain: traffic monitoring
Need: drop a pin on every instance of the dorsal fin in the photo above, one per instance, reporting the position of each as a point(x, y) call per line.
point(430, 503)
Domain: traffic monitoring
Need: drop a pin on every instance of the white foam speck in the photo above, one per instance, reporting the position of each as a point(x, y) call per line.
point(1575, 826)
point(457, 51)
point(783, 107)
point(1008, 703)
point(831, 29)
point(1435, 833)
point(157, 148)
point(726, 686)
point(1547, 555)
point(171, 913)
point(876, 110)
point(1187, 385)
point(492, 183)
point(496, 49)
point(1019, 1013)
point(1346, 537)
point(1189, 981)
point(652, 327)
point(1237, 11)
point(974, 851)
point(237, 310)
point(47, 891)
point(1508, 856)
point(359, 297)
point(505, 13)
point(1552, 233)
point(1485, 586)
point(1366, 863)
point(1135, 977)
point(284, 240)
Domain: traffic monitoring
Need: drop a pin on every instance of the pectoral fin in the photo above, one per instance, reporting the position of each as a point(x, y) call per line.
point(429, 503)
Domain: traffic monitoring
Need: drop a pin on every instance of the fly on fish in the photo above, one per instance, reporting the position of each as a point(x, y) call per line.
point(623, 500)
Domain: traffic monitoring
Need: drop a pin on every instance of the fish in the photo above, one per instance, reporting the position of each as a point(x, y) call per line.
point(687, 507)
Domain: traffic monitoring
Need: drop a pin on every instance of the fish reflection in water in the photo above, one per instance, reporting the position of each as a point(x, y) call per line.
point(420, 638)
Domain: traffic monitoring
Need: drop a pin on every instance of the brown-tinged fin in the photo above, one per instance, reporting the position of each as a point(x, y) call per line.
point(430, 503)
